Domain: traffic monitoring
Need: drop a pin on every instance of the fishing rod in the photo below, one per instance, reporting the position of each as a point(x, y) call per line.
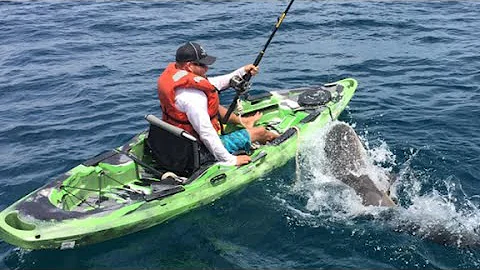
point(242, 84)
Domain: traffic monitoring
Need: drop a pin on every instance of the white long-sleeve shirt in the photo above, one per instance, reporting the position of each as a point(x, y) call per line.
point(193, 103)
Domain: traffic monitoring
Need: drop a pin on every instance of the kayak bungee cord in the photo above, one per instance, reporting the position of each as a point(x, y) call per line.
point(241, 84)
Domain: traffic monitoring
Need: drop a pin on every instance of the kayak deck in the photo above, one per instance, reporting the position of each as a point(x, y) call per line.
point(121, 191)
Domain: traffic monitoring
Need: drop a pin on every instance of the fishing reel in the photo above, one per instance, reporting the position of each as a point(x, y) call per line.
point(240, 85)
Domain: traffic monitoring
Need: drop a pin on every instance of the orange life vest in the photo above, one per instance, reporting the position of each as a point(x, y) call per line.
point(172, 79)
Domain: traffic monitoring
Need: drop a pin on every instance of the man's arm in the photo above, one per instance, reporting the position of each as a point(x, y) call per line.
point(194, 103)
point(223, 82)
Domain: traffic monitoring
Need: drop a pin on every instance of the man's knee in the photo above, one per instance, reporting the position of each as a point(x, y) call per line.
point(256, 133)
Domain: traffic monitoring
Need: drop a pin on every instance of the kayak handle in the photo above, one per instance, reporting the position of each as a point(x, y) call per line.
point(261, 155)
point(218, 179)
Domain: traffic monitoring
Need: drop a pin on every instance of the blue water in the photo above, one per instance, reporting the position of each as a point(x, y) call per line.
point(76, 79)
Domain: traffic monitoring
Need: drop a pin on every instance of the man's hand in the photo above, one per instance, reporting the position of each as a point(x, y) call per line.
point(250, 68)
point(243, 159)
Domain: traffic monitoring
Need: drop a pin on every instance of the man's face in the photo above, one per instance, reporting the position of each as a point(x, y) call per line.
point(197, 68)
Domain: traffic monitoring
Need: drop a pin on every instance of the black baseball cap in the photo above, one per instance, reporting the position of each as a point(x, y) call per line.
point(193, 52)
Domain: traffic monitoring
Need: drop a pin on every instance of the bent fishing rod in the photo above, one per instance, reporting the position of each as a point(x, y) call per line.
point(241, 84)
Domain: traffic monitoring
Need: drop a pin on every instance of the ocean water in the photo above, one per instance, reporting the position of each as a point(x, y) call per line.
point(76, 79)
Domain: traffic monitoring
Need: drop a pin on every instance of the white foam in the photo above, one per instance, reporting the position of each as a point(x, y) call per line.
point(314, 175)
point(424, 211)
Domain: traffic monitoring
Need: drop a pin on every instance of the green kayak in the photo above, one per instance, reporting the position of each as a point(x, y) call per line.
point(142, 184)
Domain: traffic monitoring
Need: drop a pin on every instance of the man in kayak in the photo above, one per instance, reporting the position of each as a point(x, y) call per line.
point(190, 100)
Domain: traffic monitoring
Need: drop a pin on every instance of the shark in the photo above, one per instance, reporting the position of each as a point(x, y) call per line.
point(348, 162)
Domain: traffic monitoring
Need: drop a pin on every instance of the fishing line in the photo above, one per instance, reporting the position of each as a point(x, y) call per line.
point(329, 69)
point(242, 84)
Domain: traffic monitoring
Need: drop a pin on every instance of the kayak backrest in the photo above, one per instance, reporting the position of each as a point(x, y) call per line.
point(172, 148)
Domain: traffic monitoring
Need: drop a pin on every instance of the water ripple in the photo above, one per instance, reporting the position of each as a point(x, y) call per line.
point(76, 79)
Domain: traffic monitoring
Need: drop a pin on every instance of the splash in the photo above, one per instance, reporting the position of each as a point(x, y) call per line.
point(443, 213)
point(18, 256)
point(316, 177)
point(433, 209)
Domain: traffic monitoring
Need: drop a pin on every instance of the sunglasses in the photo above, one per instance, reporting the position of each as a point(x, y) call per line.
point(199, 64)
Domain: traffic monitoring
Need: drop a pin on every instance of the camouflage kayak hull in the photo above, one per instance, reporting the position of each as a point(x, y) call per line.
point(109, 195)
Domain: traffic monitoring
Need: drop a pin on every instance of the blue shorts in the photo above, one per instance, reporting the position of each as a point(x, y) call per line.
point(237, 140)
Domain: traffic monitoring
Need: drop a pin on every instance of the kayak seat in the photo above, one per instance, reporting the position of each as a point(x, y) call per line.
point(172, 148)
